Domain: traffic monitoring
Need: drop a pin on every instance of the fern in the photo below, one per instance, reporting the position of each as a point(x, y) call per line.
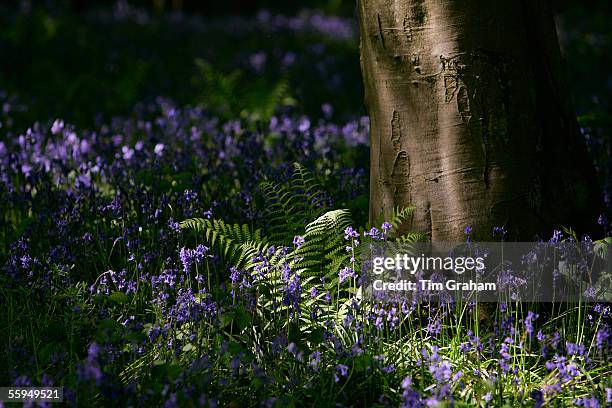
point(231, 94)
point(263, 99)
point(412, 237)
point(323, 252)
point(288, 208)
point(279, 225)
point(236, 243)
point(294, 209)
point(399, 215)
point(218, 90)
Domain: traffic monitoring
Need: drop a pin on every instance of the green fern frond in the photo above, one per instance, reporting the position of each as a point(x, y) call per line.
point(235, 242)
point(306, 188)
point(324, 250)
point(412, 237)
point(335, 221)
point(398, 216)
point(290, 207)
point(280, 227)
point(263, 99)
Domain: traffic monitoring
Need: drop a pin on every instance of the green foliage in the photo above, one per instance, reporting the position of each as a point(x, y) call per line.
point(289, 207)
point(217, 90)
point(236, 243)
point(291, 210)
point(324, 250)
point(55, 307)
point(233, 95)
point(295, 209)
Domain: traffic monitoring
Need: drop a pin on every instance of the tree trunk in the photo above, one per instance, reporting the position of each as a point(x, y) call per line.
point(469, 119)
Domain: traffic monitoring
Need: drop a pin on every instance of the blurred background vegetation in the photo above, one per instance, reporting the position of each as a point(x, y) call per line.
point(79, 59)
point(88, 61)
point(61, 55)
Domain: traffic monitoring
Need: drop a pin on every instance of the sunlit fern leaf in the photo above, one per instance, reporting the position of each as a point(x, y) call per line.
point(308, 191)
point(321, 255)
point(397, 217)
point(289, 207)
point(412, 237)
point(332, 221)
point(324, 249)
point(400, 215)
point(237, 243)
point(277, 220)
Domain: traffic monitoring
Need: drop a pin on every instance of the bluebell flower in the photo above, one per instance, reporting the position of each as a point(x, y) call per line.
point(557, 236)
point(279, 343)
point(434, 327)
point(57, 127)
point(538, 398)
point(234, 275)
point(441, 371)
point(374, 233)
point(601, 220)
point(298, 241)
point(349, 233)
point(258, 61)
point(159, 149)
point(603, 339)
point(587, 402)
point(327, 110)
point(174, 226)
point(574, 349)
point(346, 273)
point(500, 232)
point(314, 360)
point(186, 257)
point(90, 370)
point(342, 371)
point(410, 397)
point(529, 322)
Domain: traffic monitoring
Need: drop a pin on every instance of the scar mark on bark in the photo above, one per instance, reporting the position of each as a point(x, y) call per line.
point(418, 12)
point(450, 87)
point(407, 29)
point(414, 20)
point(463, 104)
point(396, 131)
point(428, 219)
point(400, 178)
point(401, 164)
point(485, 148)
point(380, 32)
point(401, 168)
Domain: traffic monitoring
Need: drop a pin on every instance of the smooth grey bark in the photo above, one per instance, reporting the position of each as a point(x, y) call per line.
point(469, 119)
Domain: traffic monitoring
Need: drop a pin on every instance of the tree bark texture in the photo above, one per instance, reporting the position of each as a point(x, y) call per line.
point(469, 118)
